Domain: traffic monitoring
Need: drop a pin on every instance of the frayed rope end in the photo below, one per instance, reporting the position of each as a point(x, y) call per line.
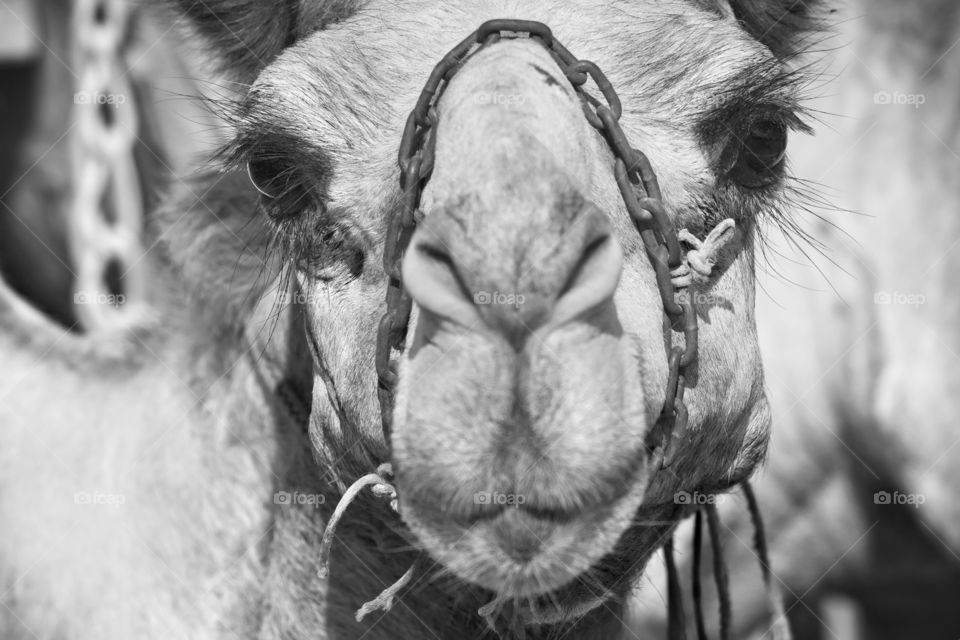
point(384, 601)
point(382, 488)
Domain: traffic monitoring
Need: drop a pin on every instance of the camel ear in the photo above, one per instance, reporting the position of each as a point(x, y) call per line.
point(781, 25)
point(246, 35)
point(243, 35)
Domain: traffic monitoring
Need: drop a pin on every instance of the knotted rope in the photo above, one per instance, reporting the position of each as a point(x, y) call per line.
point(697, 268)
point(699, 261)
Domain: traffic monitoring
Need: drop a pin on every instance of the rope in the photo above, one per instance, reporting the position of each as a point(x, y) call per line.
point(489, 613)
point(382, 488)
point(384, 601)
point(676, 629)
point(699, 261)
point(779, 626)
point(719, 571)
point(504, 618)
point(697, 587)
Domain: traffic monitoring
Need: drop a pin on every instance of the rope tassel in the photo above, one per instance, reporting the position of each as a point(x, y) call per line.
point(384, 602)
point(719, 570)
point(697, 586)
point(675, 616)
point(779, 626)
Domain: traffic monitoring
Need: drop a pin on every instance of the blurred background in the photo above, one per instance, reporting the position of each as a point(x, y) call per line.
point(857, 305)
point(98, 112)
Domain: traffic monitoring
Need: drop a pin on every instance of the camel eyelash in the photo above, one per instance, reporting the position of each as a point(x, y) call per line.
point(765, 91)
point(289, 181)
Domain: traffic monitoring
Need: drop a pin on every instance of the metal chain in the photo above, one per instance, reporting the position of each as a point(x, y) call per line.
point(107, 205)
point(638, 186)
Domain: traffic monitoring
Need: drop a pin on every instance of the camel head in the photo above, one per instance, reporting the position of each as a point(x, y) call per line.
point(536, 357)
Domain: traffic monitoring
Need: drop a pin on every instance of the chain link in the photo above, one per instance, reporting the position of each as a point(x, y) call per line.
point(638, 186)
point(105, 179)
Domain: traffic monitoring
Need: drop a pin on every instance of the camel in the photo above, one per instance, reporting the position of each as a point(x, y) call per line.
point(859, 493)
point(180, 476)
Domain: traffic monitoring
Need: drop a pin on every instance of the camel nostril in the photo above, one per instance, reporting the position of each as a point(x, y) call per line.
point(465, 290)
point(432, 278)
point(592, 281)
point(585, 261)
point(592, 276)
point(440, 260)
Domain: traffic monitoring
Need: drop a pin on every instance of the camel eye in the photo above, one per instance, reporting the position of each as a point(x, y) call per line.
point(268, 176)
point(282, 190)
point(760, 154)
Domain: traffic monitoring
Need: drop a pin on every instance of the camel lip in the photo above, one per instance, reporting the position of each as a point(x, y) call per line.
point(481, 513)
point(484, 499)
point(526, 544)
point(542, 514)
point(522, 552)
point(520, 534)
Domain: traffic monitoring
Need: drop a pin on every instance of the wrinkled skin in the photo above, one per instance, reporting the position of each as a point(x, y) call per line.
point(550, 400)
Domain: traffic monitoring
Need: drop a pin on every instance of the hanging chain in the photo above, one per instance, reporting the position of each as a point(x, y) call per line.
point(638, 186)
point(107, 207)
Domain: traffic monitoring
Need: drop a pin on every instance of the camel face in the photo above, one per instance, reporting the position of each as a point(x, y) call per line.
point(536, 358)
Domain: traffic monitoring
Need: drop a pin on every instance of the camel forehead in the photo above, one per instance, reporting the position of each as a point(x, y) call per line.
point(354, 81)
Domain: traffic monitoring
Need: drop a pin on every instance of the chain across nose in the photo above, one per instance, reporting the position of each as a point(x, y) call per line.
point(635, 178)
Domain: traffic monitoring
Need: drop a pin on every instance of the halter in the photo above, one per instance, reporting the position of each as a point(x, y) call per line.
point(675, 270)
point(638, 187)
